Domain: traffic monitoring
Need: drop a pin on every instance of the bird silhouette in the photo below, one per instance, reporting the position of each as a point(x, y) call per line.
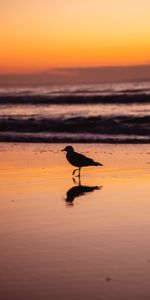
point(79, 160)
point(78, 191)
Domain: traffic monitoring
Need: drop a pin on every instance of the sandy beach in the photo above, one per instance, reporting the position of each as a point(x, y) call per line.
point(62, 240)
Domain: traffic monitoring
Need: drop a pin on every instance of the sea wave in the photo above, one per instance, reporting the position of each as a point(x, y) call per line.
point(72, 138)
point(81, 113)
point(76, 128)
point(67, 99)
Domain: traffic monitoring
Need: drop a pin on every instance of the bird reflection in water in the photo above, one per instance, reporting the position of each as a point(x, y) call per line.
point(78, 191)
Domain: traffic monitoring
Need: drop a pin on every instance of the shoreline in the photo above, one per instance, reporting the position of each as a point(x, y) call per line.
point(47, 140)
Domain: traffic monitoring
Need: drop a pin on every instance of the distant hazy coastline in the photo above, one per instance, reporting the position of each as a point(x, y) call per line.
point(91, 75)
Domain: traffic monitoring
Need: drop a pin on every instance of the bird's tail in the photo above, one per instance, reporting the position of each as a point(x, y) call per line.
point(97, 164)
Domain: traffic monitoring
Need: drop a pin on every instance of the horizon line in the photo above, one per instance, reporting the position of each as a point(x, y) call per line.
point(38, 72)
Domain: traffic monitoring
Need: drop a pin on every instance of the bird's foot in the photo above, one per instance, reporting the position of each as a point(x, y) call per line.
point(74, 171)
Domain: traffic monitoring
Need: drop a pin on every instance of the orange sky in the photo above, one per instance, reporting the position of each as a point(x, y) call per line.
point(43, 34)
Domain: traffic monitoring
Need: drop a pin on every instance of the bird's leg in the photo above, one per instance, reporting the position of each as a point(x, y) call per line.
point(74, 171)
point(79, 169)
point(77, 182)
point(74, 180)
point(79, 172)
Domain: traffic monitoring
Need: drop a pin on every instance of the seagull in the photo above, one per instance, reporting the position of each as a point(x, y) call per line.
point(79, 160)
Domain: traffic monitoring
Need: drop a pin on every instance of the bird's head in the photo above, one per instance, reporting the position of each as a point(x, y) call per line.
point(68, 149)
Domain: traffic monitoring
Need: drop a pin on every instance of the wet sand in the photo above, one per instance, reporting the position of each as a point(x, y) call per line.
point(65, 240)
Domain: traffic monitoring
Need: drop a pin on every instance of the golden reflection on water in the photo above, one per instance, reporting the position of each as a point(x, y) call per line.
point(97, 249)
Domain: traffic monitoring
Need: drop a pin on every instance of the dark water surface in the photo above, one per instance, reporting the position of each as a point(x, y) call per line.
point(85, 113)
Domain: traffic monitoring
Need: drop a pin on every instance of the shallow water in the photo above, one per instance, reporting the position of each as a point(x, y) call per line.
point(94, 246)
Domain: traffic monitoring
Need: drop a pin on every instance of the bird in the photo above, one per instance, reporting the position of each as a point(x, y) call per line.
point(79, 160)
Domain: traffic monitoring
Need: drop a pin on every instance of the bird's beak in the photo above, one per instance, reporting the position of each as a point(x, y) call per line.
point(63, 150)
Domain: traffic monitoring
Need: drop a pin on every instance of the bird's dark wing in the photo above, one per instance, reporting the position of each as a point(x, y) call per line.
point(83, 161)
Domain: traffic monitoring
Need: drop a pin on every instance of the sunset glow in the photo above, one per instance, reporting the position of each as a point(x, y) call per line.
point(37, 35)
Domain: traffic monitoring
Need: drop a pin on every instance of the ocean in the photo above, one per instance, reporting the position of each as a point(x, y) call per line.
point(93, 113)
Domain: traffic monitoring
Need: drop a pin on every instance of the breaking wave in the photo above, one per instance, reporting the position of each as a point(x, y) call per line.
point(87, 113)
